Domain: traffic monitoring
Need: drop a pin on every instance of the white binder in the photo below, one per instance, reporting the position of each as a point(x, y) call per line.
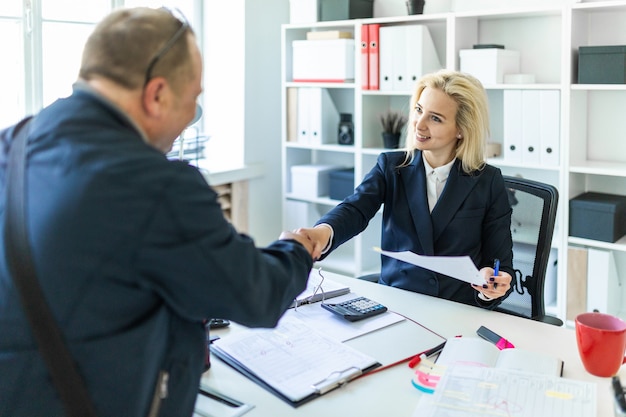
point(421, 55)
point(387, 39)
point(318, 118)
point(603, 289)
point(512, 130)
point(406, 53)
point(550, 131)
point(530, 127)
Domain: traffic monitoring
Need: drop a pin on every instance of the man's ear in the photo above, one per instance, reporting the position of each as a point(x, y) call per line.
point(154, 97)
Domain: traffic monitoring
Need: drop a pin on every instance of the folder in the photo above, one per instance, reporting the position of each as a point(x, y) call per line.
point(603, 289)
point(399, 47)
point(576, 282)
point(421, 55)
point(302, 118)
point(530, 127)
point(512, 129)
point(292, 114)
point(374, 57)
point(314, 364)
point(365, 57)
point(317, 116)
point(550, 132)
point(388, 36)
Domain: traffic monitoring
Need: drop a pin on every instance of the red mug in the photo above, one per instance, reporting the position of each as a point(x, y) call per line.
point(601, 340)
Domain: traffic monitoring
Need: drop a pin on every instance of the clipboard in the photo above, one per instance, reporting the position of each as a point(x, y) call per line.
point(292, 361)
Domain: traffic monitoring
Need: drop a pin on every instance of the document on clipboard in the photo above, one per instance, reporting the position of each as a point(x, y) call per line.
point(293, 361)
point(459, 267)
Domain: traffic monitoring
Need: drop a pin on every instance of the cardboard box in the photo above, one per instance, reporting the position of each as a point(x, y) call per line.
point(602, 64)
point(310, 181)
point(341, 183)
point(490, 64)
point(328, 60)
point(598, 216)
point(307, 11)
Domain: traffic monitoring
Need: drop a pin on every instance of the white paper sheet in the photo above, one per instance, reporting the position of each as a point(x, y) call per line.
point(337, 327)
point(459, 267)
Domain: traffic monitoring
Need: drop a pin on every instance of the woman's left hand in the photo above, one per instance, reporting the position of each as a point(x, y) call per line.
point(495, 286)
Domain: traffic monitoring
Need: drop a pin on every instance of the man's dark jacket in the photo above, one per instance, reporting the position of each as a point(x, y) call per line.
point(132, 252)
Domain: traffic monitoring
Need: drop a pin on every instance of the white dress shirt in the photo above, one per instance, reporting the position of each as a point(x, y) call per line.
point(435, 180)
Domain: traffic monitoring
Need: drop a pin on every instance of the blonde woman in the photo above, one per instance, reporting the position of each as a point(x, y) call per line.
point(439, 195)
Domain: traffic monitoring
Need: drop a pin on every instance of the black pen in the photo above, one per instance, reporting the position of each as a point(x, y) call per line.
point(618, 391)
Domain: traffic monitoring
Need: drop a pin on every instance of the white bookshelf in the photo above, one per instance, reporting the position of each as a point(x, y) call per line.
point(592, 146)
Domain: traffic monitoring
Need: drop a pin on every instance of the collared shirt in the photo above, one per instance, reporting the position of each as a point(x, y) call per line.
point(435, 180)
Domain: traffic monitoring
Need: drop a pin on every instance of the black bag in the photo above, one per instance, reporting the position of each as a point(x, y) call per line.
point(63, 370)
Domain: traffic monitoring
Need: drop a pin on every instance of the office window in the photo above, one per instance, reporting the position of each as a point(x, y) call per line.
point(12, 102)
point(41, 44)
point(65, 26)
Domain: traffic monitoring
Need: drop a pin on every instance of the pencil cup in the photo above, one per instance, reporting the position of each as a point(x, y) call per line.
point(601, 340)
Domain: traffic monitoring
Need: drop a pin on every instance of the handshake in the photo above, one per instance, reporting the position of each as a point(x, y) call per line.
point(316, 240)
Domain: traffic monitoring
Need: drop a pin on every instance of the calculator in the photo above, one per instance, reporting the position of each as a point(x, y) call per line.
point(356, 309)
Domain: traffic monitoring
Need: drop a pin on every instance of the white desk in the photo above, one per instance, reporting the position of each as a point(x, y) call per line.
point(389, 392)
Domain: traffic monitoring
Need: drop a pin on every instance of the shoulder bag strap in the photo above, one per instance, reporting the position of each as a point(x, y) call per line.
point(64, 373)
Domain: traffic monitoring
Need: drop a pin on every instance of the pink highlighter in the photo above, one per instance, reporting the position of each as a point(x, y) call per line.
point(496, 339)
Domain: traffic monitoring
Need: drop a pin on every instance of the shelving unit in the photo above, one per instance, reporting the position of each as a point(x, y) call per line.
point(592, 151)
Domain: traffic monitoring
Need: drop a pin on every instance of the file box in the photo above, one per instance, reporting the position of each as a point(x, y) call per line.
point(602, 64)
point(346, 9)
point(598, 216)
point(490, 65)
point(341, 183)
point(311, 181)
point(307, 11)
point(327, 60)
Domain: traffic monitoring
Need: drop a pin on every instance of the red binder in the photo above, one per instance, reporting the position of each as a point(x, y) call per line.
point(374, 82)
point(365, 47)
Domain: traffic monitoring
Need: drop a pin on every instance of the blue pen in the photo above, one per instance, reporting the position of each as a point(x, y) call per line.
point(496, 271)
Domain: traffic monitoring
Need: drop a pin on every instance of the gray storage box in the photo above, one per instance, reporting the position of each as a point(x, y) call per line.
point(598, 216)
point(346, 9)
point(602, 64)
point(341, 183)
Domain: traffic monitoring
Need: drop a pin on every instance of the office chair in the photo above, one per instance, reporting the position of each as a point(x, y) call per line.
point(534, 207)
point(532, 225)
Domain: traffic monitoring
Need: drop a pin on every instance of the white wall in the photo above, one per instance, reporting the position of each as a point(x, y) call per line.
point(263, 114)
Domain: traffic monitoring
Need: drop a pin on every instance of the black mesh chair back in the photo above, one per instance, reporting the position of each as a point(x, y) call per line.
point(534, 207)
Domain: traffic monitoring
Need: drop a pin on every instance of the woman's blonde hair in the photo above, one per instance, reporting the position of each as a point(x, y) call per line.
point(472, 116)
